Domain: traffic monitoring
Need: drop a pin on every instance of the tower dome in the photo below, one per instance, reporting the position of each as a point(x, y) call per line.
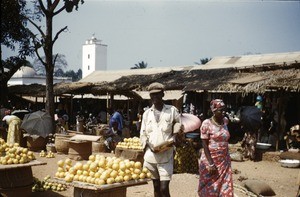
point(25, 71)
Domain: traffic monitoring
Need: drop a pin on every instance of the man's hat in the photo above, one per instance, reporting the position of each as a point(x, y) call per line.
point(156, 87)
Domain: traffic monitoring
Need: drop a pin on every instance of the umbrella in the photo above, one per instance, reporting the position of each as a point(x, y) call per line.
point(251, 117)
point(190, 122)
point(20, 113)
point(38, 123)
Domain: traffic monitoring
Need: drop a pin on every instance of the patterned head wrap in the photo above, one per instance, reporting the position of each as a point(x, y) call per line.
point(216, 104)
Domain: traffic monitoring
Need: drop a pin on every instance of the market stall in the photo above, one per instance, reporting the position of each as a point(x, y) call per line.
point(131, 154)
point(108, 190)
point(17, 179)
point(130, 148)
point(101, 175)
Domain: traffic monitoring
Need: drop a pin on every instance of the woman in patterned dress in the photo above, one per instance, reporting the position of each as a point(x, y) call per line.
point(215, 163)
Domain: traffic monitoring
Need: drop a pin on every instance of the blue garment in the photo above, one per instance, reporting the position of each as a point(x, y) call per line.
point(116, 117)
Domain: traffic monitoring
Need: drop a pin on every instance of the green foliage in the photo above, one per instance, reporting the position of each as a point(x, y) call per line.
point(76, 76)
point(14, 31)
point(140, 65)
point(203, 61)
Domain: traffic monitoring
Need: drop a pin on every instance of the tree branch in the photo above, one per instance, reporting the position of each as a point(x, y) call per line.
point(55, 59)
point(59, 32)
point(39, 57)
point(59, 11)
point(43, 7)
point(53, 6)
point(36, 26)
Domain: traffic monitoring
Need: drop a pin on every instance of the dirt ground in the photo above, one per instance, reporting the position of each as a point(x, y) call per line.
point(282, 180)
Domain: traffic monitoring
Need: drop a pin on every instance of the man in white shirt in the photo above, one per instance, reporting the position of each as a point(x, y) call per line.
point(160, 124)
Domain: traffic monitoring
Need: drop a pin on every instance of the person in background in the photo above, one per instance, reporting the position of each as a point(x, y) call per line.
point(3, 132)
point(65, 117)
point(113, 136)
point(116, 116)
point(259, 103)
point(248, 144)
point(14, 133)
point(102, 117)
point(215, 173)
point(160, 123)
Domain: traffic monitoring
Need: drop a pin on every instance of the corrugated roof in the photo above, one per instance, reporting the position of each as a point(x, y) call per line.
point(112, 75)
point(251, 60)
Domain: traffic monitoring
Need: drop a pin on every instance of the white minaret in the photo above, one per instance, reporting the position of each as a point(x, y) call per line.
point(94, 56)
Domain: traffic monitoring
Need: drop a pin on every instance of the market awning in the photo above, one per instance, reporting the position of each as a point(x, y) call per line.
point(91, 96)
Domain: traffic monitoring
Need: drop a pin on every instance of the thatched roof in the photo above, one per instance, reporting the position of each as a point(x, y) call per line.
point(72, 88)
point(253, 73)
point(260, 82)
point(28, 90)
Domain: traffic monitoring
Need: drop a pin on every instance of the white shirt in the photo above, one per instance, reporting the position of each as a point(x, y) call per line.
point(158, 132)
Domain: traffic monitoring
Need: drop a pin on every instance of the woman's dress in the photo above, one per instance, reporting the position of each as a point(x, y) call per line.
point(219, 184)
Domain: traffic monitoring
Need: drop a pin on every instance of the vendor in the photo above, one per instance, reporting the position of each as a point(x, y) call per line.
point(14, 132)
point(113, 135)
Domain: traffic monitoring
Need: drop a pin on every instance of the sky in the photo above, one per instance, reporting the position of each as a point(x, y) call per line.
point(177, 33)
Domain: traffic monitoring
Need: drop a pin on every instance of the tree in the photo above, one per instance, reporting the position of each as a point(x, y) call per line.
point(60, 64)
point(140, 65)
point(15, 36)
point(75, 76)
point(45, 40)
point(203, 61)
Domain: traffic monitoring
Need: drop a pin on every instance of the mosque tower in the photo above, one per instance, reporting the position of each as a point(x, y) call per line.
point(94, 56)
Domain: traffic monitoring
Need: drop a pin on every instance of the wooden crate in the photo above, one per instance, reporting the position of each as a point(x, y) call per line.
point(133, 155)
point(80, 150)
point(36, 144)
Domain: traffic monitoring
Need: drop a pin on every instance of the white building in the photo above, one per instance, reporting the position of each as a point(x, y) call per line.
point(27, 75)
point(94, 56)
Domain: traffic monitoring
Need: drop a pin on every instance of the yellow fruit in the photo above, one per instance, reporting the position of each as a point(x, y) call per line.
point(93, 166)
point(92, 157)
point(145, 170)
point(101, 182)
point(68, 161)
point(149, 175)
point(115, 166)
point(137, 171)
point(85, 166)
point(143, 175)
point(60, 163)
point(110, 180)
point(135, 176)
point(114, 174)
point(79, 172)
point(127, 177)
point(138, 165)
point(101, 163)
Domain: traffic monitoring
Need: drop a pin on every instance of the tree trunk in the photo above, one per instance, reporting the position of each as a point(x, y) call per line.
point(48, 50)
point(49, 94)
point(3, 92)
